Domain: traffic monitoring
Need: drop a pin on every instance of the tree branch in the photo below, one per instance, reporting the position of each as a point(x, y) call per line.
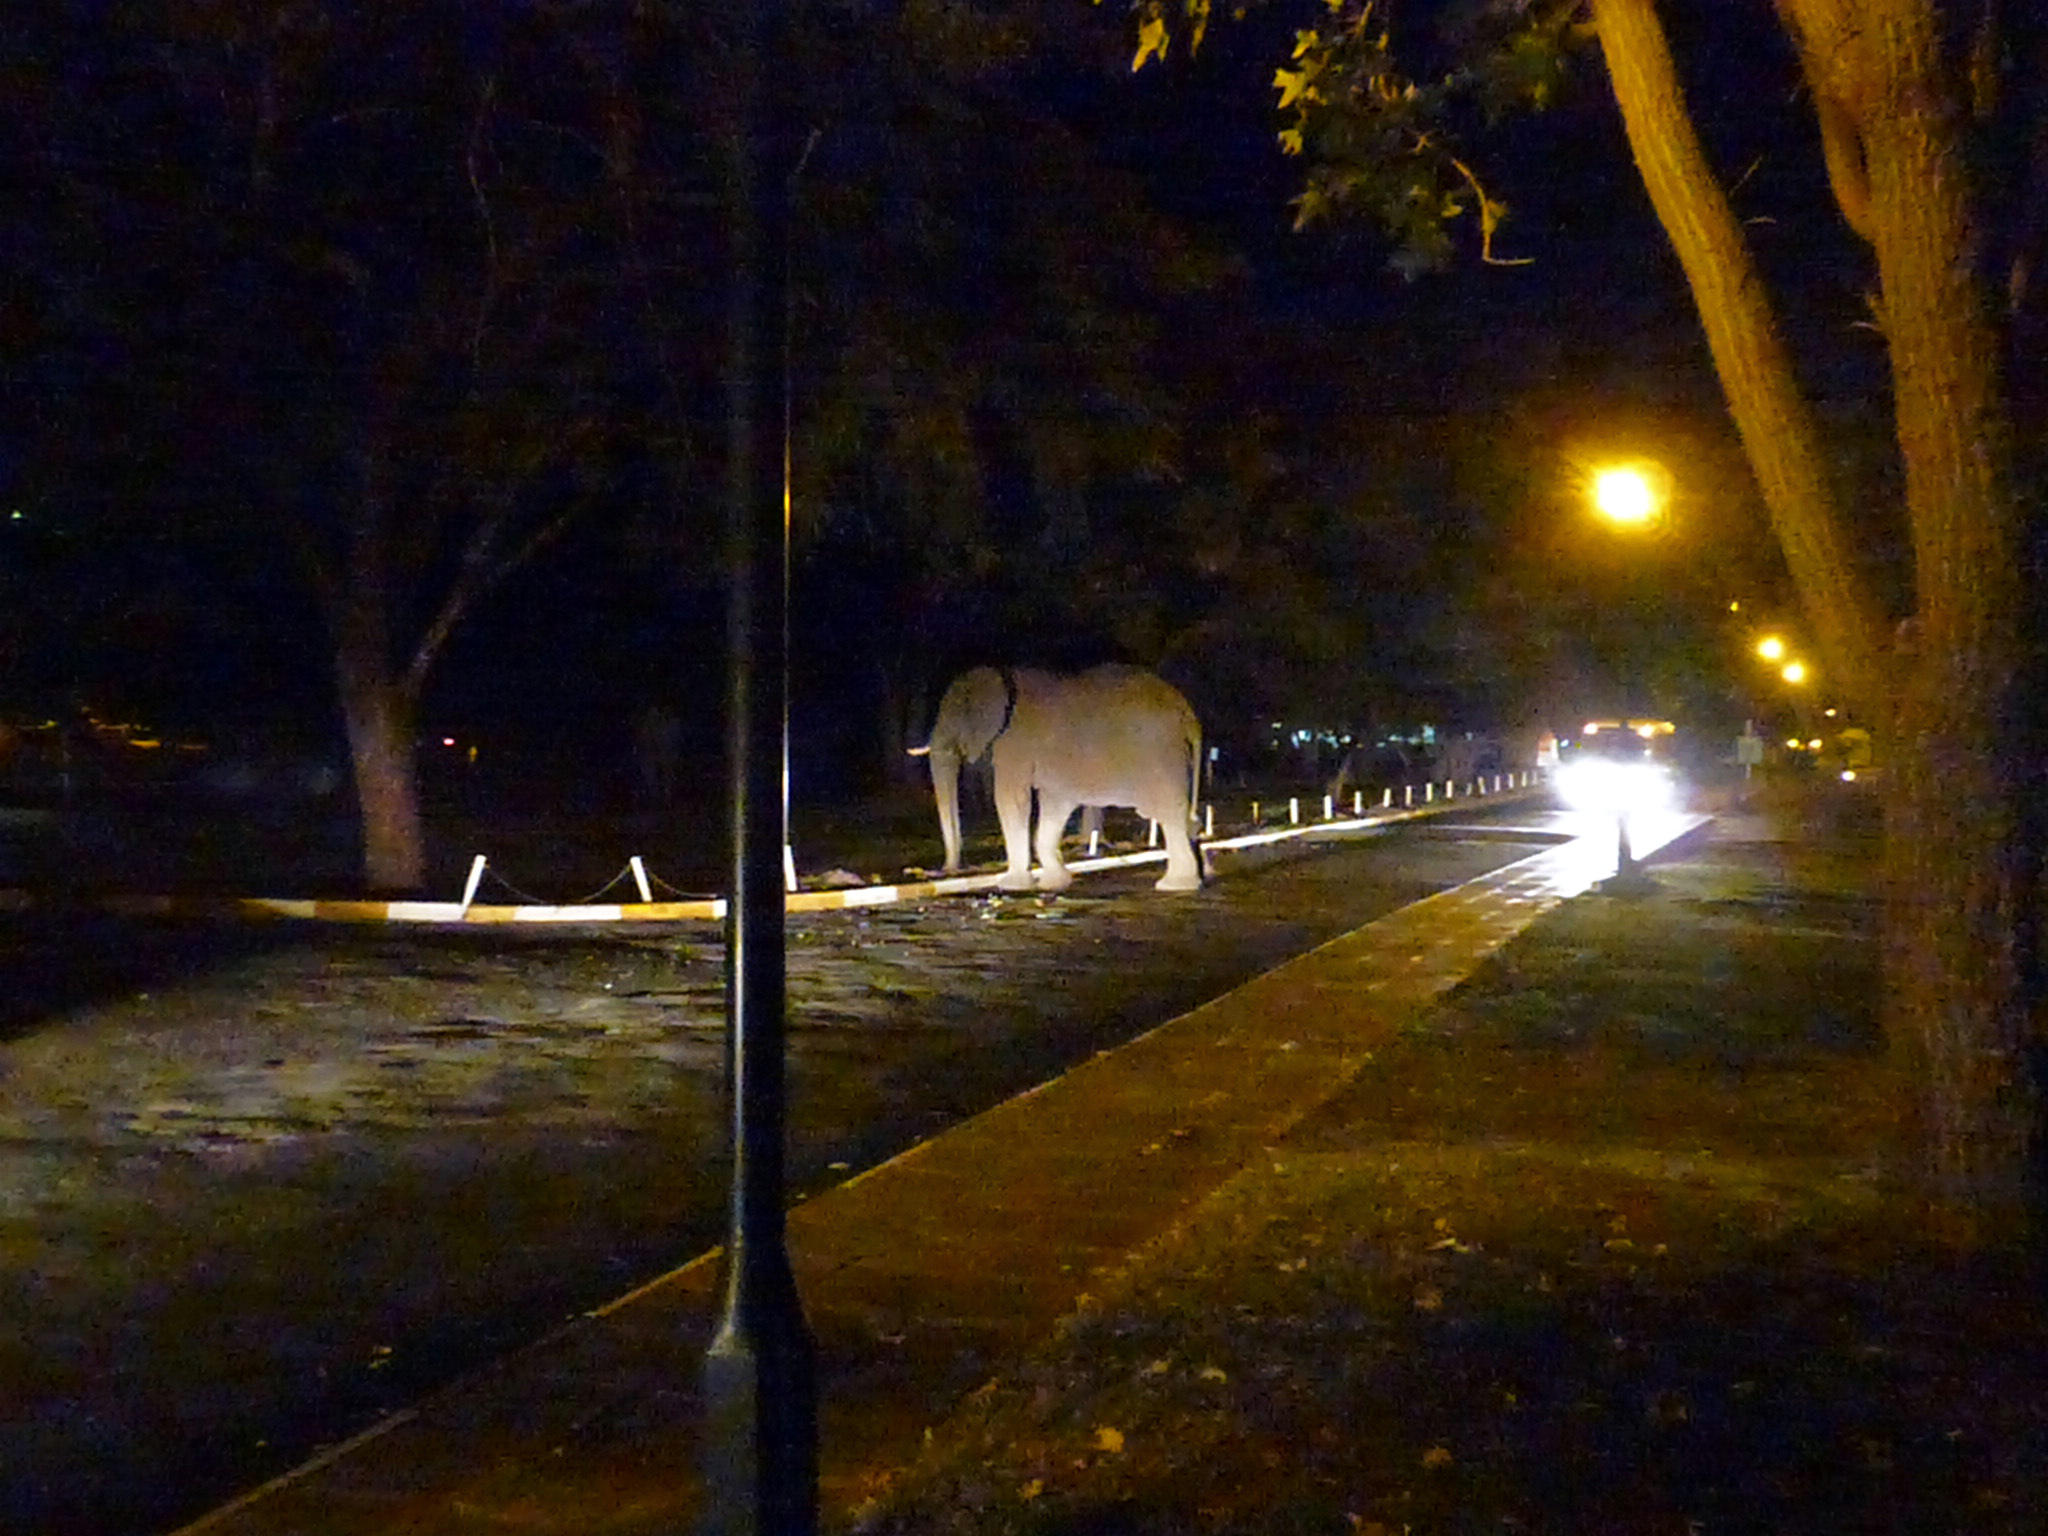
point(1778, 430)
point(1842, 146)
point(1489, 220)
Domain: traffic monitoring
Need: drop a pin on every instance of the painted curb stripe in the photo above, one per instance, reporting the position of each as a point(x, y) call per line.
point(707, 908)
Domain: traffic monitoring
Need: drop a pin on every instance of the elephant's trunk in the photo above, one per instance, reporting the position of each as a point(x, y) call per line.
point(946, 791)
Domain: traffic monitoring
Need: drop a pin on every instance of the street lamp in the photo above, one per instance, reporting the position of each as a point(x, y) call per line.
point(1794, 672)
point(1627, 495)
point(1771, 648)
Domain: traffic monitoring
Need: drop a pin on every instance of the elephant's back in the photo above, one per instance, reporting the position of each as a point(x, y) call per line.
point(1110, 703)
point(1118, 685)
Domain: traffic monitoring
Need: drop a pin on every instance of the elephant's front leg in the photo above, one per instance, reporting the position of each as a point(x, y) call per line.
point(1013, 808)
point(1053, 811)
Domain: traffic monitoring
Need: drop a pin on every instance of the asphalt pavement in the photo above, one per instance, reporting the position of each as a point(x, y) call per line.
point(922, 1276)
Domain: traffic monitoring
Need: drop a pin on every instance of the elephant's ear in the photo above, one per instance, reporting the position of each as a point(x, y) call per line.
point(977, 707)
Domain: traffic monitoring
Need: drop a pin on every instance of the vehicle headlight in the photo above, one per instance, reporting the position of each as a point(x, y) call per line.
point(1617, 789)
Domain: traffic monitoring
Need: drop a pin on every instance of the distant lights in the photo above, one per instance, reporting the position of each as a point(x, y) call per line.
point(1771, 648)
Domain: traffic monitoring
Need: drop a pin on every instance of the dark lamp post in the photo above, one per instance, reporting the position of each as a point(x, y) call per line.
point(760, 1393)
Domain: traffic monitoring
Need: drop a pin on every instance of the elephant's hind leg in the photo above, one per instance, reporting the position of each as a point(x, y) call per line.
point(1053, 874)
point(1183, 868)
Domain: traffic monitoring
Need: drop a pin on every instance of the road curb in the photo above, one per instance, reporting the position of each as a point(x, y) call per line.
point(698, 908)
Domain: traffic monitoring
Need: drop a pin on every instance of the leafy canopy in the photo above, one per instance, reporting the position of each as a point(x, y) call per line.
point(1382, 138)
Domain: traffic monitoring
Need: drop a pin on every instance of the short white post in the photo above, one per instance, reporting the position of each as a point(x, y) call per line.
point(1407, 795)
point(1387, 798)
point(1429, 792)
point(1329, 807)
point(476, 878)
point(1294, 810)
point(1357, 803)
point(640, 878)
point(1209, 820)
point(788, 867)
point(1094, 841)
point(1450, 789)
point(1255, 813)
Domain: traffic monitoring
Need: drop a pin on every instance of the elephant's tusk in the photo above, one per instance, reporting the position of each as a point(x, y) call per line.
point(923, 751)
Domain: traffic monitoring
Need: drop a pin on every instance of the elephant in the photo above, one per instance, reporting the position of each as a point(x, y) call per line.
point(1113, 735)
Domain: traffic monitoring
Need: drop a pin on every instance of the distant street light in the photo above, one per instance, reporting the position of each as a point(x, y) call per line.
point(1771, 648)
point(1794, 672)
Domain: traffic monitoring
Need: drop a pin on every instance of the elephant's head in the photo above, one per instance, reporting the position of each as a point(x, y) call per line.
point(973, 712)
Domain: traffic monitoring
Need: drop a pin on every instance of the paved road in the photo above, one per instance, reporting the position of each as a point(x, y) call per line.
point(254, 1198)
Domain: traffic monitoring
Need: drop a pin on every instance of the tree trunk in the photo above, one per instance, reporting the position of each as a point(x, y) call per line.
point(1779, 434)
point(1954, 1008)
point(379, 715)
point(1958, 870)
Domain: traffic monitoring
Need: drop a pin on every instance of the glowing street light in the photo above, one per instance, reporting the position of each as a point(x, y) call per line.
point(1625, 495)
point(1794, 672)
point(1771, 648)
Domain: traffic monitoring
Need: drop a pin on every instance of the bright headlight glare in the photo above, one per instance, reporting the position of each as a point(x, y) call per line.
point(1616, 789)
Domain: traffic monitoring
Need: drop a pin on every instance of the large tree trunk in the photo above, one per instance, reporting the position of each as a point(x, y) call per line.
point(380, 739)
point(1954, 1006)
point(1957, 869)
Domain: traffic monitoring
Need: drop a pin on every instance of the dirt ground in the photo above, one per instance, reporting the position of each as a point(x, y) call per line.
point(1613, 1243)
point(259, 1186)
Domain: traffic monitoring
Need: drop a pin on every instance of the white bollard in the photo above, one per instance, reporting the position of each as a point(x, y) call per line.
point(1329, 807)
point(1094, 842)
point(476, 878)
point(1387, 799)
point(1209, 820)
point(1294, 810)
point(640, 878)
point(788, 867)
point(1255, 813)
point(1407, 795)
point(1357, 803)
point(1429, 792)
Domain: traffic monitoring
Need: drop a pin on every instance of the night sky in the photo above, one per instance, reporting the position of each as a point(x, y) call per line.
point(172, 350)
